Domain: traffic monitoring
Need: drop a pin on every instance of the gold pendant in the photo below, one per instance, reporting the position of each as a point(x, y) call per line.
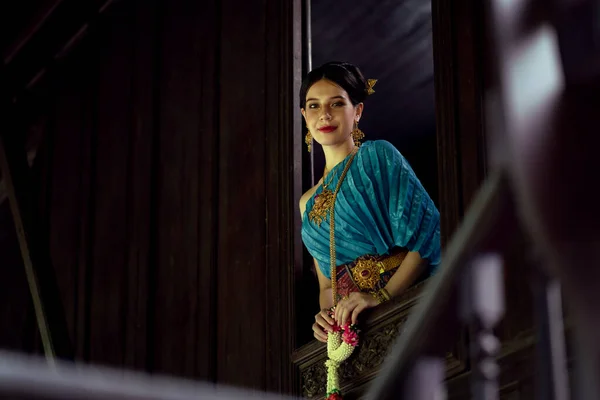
point(323, 203)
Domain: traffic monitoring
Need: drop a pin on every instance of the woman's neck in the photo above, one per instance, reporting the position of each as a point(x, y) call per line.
point(337, 153)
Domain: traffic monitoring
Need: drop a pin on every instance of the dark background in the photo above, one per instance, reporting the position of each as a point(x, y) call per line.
point(391, 41)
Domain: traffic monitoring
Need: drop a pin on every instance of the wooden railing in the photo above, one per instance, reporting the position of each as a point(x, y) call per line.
point(380, 328)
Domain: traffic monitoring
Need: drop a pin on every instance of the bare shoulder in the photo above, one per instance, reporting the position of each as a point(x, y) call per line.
point(304, 199)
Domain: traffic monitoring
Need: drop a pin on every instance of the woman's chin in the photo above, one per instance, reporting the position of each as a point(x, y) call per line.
point(332, 140)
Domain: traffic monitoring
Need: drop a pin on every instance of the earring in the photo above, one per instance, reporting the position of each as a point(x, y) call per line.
point(357, 135)
point(308, 140)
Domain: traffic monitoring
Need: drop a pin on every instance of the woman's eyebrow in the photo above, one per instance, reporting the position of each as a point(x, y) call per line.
point(331, 98)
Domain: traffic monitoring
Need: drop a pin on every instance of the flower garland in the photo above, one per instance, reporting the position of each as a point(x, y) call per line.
point(341, 343)
point(342, 340)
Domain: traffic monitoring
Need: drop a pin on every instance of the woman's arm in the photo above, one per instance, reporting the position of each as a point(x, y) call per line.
point(409, 271)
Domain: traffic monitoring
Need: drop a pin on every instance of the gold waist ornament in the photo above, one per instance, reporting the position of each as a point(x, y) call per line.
point(367, 270)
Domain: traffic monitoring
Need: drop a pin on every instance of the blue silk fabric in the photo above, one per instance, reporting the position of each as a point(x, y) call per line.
point(381, 204)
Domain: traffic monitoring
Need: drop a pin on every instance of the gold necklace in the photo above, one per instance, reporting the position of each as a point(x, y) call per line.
point(332, 254)
point(324, 200)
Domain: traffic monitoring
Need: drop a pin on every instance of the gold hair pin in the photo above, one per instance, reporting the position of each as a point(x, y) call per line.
point(370, 84)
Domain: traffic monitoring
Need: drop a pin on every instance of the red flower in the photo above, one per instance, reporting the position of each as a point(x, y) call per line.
point(335, 396)
point(350, 337)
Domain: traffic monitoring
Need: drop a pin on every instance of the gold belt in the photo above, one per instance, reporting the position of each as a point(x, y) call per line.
point(368, 269)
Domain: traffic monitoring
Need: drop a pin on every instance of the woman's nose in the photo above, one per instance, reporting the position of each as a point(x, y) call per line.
point(325, 115)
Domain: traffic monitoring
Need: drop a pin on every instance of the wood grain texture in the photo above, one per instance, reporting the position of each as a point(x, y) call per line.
point(242, 193)
point(64, 197)
point(141, 257)
point(208, 222)
point(175, 146)
point(110, 242)
point(282, 145)
point(178, 190)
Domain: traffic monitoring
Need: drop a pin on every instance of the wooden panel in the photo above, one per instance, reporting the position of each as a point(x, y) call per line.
point(180, 142)
point(241, 284)
point(89, 98)
point(178, 204)
point(470, 58)
point(206, 339)
point(141, 252)
point(107, 314)
point(42, 167)
point(282, 134)
point(64, 194)
point(446, 119)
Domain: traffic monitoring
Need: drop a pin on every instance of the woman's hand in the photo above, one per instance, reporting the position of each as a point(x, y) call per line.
point(350, 307)
point(323, 324)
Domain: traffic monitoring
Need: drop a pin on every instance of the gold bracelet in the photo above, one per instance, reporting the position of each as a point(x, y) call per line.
point(385, 294)
point(381, 295)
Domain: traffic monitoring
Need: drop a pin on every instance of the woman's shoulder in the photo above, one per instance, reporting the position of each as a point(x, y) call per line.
point(381, 148)
point(383, 152)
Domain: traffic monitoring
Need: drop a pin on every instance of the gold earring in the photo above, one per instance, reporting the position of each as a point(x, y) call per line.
point(308, 140)
point(357, 135)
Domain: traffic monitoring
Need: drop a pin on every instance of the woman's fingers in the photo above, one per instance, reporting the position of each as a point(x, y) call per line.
point(344, 310)
point(348, 309)
point(359, 308)
point(327, 317)
point(346, 314)
point(319, 333)
point(339, 310)
point(324, 321)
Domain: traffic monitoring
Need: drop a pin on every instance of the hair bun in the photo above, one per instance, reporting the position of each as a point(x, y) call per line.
point(346, 75)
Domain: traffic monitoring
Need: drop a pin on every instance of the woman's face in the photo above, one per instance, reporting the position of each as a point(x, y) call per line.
point(329, 113)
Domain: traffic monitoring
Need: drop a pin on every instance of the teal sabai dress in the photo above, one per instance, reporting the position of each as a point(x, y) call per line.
point(381, 205)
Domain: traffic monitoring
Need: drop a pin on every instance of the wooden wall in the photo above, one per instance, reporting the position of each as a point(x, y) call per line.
point(165, 171)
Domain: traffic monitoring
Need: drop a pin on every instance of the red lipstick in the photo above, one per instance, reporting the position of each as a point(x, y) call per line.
point(328, 129)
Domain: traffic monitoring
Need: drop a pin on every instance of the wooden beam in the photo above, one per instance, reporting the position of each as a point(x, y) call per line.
point(50, 39)
point(36, 259)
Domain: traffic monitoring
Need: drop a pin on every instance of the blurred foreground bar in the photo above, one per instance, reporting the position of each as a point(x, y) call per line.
point(27, 377)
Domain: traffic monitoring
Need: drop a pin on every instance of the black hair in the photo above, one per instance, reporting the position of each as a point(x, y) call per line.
point(343, 74)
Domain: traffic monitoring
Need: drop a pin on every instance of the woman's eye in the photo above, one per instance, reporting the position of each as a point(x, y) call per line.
point(313, 105)
point(338, 104)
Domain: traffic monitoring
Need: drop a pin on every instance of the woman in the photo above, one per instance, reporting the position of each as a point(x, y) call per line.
point(386, 232)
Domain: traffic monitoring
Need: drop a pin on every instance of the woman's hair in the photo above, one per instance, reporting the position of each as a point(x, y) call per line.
point(345, 75)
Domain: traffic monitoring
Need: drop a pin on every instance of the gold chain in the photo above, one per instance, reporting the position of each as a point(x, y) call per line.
point(332, 260)
point(326, 185)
